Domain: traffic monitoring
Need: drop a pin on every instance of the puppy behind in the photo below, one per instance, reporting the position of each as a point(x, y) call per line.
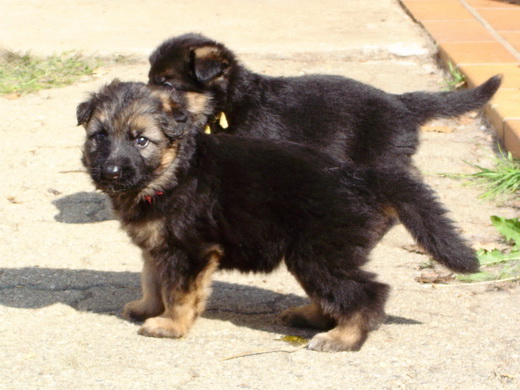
point(195, 203)
point(346, 119)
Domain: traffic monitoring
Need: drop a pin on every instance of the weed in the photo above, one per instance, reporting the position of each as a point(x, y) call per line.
point(456, 78)
point(496, 264)
point(502, 179)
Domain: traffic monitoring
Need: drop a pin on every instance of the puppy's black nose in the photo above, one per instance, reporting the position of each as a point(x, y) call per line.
point(112, 171)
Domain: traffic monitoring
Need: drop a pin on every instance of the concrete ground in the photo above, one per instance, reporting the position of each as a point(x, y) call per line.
point(66, 269)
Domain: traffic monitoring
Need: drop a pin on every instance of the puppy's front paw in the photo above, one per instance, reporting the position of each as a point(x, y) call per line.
point(162, 327)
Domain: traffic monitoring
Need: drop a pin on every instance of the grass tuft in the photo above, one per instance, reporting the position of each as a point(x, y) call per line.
point(456, 78)
point(26, 73)
point(502, 179)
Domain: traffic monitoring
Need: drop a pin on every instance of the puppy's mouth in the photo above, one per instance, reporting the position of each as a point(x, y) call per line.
point(119, 186)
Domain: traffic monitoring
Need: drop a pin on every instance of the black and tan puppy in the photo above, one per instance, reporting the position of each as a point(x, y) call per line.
point(196, 203)
point(344, 118)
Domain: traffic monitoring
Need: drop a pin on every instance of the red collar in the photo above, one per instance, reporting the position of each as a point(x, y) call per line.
point(149, 198)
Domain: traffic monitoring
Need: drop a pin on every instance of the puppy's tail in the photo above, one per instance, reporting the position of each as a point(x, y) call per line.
point(425, 218)
point(431, 105)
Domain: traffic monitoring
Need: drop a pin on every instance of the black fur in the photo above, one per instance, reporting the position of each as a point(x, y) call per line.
point(258, 203)
point(349, 120)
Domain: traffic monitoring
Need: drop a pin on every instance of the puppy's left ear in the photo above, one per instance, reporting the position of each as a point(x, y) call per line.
point(210, 63)
point(84, 112)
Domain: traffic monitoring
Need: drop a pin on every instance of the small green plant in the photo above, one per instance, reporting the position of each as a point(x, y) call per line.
point(456, 78)
point(502, 179)
point(25, 73)
point(497, 264)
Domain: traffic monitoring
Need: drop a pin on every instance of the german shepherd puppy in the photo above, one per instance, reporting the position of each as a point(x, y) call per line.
point(344, 118)
point(195, 203)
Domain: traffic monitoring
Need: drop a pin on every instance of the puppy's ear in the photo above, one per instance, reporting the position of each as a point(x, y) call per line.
point(209, 63)
point(84, 112)
point(174, 118)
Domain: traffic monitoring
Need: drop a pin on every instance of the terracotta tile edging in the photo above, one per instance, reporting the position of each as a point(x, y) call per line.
point(478, 54)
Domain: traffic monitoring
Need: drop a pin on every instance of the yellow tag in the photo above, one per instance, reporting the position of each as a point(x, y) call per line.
point(207, 129)
point(223, 121)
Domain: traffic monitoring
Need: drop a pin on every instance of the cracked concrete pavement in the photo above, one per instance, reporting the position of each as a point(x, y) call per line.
point(66, 269)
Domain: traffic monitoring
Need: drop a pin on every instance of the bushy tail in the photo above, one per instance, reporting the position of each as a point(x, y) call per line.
point(425, 218)
point(431, 105)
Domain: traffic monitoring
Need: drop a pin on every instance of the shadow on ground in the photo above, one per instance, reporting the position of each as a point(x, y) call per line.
point(83, 207)
point(107, 292)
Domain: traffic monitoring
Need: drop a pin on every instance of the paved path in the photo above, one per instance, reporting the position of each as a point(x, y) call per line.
point(66, 269)
point(481, 38)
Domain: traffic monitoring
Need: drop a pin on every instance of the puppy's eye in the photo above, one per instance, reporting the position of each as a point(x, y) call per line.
point(142, 142)
point(100, 136)
point(168, 84)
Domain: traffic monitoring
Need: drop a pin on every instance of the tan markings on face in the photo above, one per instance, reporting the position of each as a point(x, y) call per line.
point(165, 172)
point(182, 307)
point(99, 117)
point(168, 157)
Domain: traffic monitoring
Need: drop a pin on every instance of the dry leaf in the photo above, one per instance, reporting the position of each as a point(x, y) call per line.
point(13, 200)
point(434, 277)
point(12, 96)
point(413, 248)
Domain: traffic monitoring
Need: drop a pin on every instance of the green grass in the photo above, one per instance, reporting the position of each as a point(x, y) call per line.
point(495, 264)
point(26, 73)
point(502, 179)
point(456, 78)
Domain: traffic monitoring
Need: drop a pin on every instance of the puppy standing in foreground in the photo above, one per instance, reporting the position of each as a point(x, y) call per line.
point(196, 203)
point(344, 118)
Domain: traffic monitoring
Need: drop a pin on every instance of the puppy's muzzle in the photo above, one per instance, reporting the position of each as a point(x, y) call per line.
point(112, 172)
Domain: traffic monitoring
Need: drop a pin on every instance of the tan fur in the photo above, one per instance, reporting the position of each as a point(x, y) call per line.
point(147, 235)
point(208, 52)
point(197, 103)
point(348, 335)
point(185, 306)
point(141, 122)
point(151, 304)
point(165, 172)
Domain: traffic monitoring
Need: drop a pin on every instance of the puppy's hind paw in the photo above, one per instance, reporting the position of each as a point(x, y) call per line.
point(324, 342)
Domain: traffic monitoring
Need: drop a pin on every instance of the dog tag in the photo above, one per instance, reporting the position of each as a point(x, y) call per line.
point(207, 129)
point(223, 121)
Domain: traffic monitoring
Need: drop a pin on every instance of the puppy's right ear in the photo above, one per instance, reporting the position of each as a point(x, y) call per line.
point(210, 63)
point(84, 112)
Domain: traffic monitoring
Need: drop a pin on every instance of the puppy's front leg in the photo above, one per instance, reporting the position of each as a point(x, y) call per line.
point(182, 305)
point(151, 303)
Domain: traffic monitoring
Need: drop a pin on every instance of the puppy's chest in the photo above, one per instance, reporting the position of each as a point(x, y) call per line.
point(147, 234)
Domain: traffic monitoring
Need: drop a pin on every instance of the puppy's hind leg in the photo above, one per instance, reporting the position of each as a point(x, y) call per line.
point(308, 316)
point(358, 307)
point(350, 297)
point(151, 304)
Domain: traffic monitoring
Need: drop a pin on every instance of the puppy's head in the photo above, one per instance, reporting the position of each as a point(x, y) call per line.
point(192, 62)
point(134, 133)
